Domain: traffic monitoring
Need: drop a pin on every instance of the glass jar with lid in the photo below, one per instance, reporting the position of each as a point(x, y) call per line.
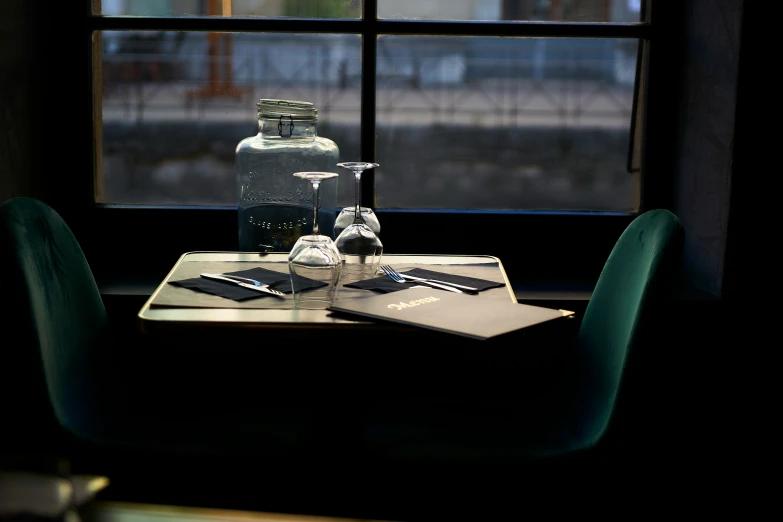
point(275, 207)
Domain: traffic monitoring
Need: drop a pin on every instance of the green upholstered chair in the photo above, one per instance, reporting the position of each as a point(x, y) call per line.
point(566, 414)
point(63, 385)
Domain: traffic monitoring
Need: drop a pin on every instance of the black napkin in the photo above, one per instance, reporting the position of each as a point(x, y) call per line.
point(384, 284)
point(275, 280)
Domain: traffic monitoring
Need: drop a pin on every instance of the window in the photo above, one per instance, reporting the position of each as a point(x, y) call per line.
point(491, 119)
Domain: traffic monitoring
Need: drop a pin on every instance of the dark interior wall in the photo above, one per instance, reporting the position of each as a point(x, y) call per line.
point(706, 133)
point(748, 270)
point(44, 88)
point(15, 103)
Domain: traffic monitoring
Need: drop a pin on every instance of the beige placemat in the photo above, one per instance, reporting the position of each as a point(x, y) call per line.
point(176, 296)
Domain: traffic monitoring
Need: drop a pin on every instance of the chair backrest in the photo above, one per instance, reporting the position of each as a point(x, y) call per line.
point(637, 275)
point(53, 315)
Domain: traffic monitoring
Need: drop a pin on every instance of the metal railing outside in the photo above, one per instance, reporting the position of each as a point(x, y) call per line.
point(471, 86)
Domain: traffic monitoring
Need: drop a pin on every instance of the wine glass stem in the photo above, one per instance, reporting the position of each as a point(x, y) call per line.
point(357, 216)
point(316, 231)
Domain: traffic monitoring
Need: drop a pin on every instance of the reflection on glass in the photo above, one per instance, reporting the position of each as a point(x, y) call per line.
point(505, 123)
point(234, 8)
point(173, 103)
point(512, 10)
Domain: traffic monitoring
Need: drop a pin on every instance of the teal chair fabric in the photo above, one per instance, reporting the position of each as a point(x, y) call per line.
point(54, 321)
point(63, 371)
point(633, 287)
point(567, 410)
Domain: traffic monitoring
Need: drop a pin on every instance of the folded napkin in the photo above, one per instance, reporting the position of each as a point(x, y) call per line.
point(276, 280)
point(384, 284)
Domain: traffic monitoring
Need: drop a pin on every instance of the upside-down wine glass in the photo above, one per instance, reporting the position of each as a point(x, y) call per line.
point(314, 262)
point(359, 246)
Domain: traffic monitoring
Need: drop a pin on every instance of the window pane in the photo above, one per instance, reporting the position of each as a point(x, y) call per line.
point(513, 10)
point(176, 104)
point(505, 123)
point(234, 8)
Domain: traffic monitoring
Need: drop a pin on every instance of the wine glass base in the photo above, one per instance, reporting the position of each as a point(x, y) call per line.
point(360, 267)
point(313, 304)
point(314, 298)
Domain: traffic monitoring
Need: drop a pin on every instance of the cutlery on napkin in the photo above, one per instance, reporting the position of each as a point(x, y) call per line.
point(257, 286)
point(384, 284)
point(277, 280)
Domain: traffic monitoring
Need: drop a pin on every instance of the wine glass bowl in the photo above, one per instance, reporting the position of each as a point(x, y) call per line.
point(359, 246)
point(314, 262)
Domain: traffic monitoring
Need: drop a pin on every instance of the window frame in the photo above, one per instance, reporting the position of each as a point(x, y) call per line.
point(552, 243)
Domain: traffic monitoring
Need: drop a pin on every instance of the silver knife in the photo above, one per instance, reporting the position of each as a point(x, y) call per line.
point(265, 289)
point(437, 285)
point(468, 289)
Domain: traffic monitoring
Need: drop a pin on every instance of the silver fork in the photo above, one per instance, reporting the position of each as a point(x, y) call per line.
point(468, 289)
point(392, 273)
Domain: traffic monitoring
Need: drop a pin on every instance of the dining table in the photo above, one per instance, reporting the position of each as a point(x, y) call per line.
point(266, 347)
point(175, 309)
